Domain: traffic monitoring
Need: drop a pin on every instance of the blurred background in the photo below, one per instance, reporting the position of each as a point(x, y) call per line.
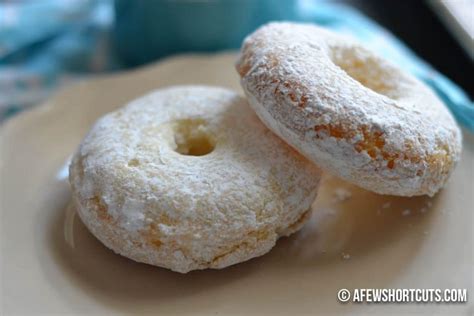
point(47, 44)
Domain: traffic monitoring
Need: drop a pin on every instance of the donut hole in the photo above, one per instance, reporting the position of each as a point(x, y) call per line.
point(133, 162)
point(367, 69)
point(192, 138)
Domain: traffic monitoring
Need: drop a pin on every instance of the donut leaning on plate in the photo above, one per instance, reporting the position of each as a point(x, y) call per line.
point(189, 178)
point(348, 110)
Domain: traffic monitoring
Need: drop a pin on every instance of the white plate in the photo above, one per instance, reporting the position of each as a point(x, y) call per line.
point(52, 264)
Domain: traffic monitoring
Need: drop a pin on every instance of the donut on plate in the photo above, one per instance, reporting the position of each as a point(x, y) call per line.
point(189, 178)
point(348, 110)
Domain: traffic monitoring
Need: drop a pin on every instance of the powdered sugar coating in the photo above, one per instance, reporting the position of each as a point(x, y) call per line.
point(348, 110)
point(150, 203)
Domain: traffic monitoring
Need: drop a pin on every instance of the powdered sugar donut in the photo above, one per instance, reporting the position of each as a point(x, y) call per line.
point(348, 110)
point(189, 178)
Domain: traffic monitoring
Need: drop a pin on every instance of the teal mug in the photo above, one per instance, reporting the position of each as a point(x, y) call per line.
point(146, 30)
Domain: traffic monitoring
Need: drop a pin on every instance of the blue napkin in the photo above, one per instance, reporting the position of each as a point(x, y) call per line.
point(45, 44)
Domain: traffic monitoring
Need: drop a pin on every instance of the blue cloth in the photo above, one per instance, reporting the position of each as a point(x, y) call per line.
point(44, 44)
point(49, 43)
